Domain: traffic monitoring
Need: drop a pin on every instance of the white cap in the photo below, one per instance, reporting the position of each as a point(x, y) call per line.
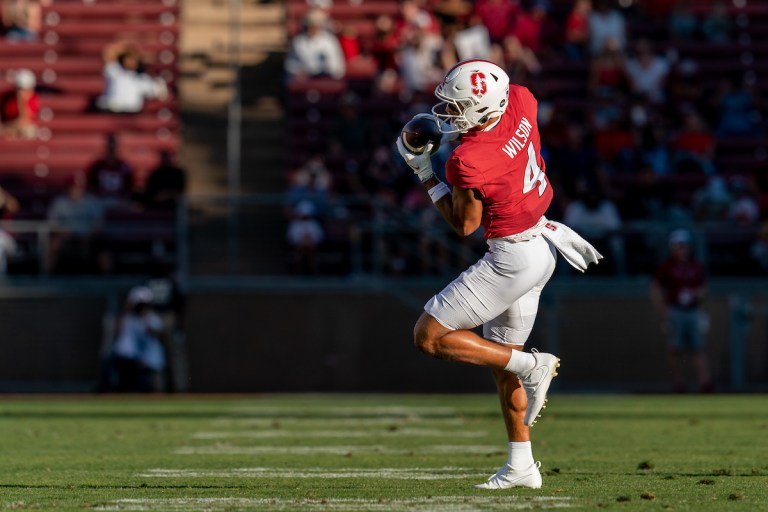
point(679, 236)
point(140, 295)
point(24, 79)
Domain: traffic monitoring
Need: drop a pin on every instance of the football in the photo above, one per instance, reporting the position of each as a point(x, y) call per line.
point(420, 131)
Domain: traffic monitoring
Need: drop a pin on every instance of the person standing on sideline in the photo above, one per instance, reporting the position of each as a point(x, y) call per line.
point(677, 290)
point(498, 179)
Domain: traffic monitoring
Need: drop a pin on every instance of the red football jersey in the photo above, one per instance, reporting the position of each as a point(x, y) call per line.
point(680, 280)
point(505, 166)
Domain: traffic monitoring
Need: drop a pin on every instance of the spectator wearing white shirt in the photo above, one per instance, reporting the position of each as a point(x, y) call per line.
point(648, 73)
point(606, 23)
point(126, 84)
point(137, 357)
point(315, 52)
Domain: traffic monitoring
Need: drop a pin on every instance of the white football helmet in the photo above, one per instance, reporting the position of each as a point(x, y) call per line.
point(472, 92)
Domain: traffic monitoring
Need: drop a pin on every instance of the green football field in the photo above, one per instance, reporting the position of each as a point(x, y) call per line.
point(378, 452)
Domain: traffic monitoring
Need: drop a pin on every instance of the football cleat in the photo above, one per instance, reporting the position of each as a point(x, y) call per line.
point(507, 477)
point(536, 384)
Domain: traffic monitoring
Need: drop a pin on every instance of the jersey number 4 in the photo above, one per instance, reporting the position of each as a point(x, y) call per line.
point(533, 174)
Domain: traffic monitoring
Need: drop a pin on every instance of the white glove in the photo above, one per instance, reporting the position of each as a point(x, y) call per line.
point(420, 164)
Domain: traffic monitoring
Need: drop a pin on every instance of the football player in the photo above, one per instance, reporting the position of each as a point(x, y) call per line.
point(498, 181)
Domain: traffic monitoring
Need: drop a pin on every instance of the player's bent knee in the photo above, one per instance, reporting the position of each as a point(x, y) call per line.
point(424, 336)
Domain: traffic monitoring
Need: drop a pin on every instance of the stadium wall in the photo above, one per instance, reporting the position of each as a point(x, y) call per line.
point(358, 338)
point(352, 342)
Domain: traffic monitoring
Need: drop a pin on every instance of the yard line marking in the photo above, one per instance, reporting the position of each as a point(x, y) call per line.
point(309, 411)
point(382, 473)
point(260, 434)
point(436, 504)
point(222, 449)
point(353, 422)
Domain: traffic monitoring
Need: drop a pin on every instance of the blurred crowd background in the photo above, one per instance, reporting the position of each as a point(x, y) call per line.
point(650, 113)
point(184, 181)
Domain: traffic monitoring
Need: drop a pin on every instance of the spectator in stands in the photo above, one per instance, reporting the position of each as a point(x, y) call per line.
point(312, 184)
point(744, 210)
point(647, 73)
point(385, 43)
point(126, 82)
point(713, 202)
point(414, 18)
point(19, 108)
point(137, 358)
point(608, 71)
point(682, 22)
point(716, 26)
point(304, 236)
point(577, 30)
point(350, 130)
point(605, 23)
point(529, 24)
point(8, 207)
point(598, 218)
point(110, 177)
point(498, 16)
point(694, 147)
point(654, 152)
point(165, 185)
point(520, 62)
point(737, 109)
point(418, 61)
point(468, 42)
point(77, 220)
point(677, 290)
point(685, 85)
point(316, 51)
point(349, 41)
point(22, 19)
point(575, 163)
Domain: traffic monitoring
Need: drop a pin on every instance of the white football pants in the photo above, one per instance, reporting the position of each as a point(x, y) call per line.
point(501, 291)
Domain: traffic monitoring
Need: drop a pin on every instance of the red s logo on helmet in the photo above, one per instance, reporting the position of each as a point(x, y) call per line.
point(478, 83)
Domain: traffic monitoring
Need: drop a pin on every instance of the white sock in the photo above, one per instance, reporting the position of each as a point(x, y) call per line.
point(520, 455)
point(520, 362)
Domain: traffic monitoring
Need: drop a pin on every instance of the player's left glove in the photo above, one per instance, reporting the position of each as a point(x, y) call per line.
point(420, 164)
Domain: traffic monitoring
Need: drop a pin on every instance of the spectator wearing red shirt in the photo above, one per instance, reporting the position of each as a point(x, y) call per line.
point(385, 43)
point(110, 177)
point(498, 16)
point(694, 147)
point(677, 290)
point(20, 107)
point(349, 42)
point(528, 26)
point(577, 30)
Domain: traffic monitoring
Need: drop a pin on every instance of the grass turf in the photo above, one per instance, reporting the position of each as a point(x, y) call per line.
point(379, 452)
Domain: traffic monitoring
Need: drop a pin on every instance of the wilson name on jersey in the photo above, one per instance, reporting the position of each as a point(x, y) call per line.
point(505, 166)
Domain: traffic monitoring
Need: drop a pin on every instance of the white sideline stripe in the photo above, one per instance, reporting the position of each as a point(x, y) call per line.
point(330, 422)
point(436, 504)
point(351, 410)
point(412, 432)
point(332, 450)
point(383, 473)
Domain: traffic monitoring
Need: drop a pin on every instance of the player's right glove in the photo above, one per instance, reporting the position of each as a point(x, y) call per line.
point(420, 164)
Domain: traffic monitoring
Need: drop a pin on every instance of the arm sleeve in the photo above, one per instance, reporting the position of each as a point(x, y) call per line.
point(459, 173)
